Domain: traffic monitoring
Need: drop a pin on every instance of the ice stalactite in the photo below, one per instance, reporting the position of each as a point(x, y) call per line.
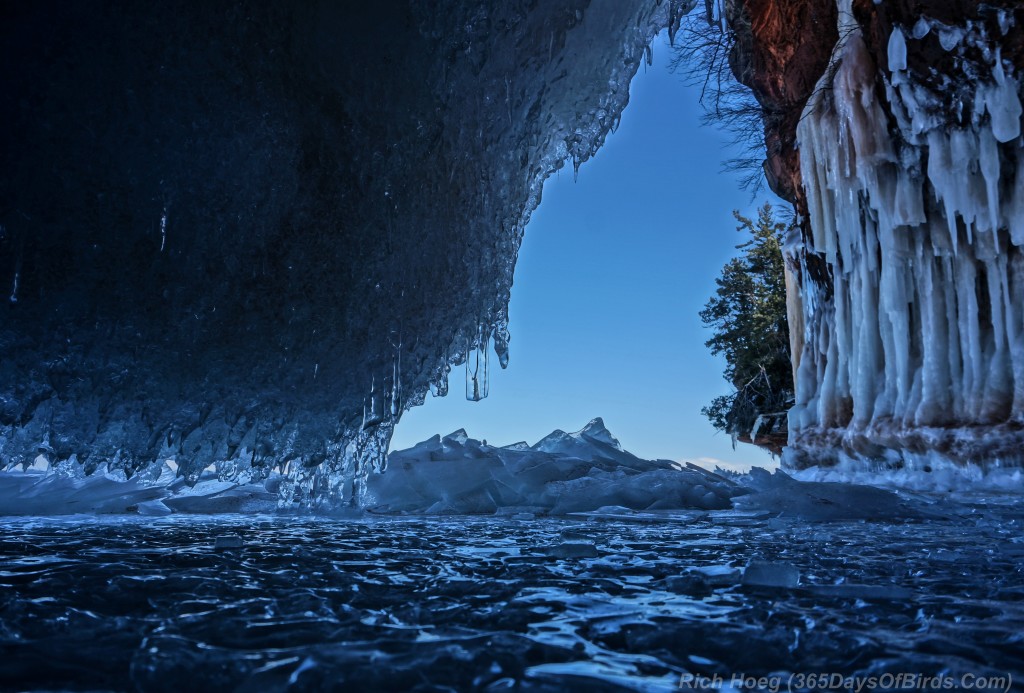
point(477, 367)
point(913, 352)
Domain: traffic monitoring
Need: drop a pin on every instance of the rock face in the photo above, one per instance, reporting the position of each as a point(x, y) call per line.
point(907, 291)
point(256, 232)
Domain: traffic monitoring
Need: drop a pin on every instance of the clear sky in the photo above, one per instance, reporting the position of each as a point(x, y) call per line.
point(611, 275)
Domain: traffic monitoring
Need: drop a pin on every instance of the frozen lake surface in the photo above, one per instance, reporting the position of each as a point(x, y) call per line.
point(251, 603)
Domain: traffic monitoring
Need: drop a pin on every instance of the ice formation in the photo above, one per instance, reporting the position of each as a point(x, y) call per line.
point(562, 473)
point(586, 474)
point(582, 472)
point(495, 603)
point(909, 277)
point(250, 238)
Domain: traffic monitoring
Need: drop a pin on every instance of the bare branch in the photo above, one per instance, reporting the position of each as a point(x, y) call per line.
point(701, 57)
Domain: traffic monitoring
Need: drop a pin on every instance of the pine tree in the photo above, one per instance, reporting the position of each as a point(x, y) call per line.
point(748, 316)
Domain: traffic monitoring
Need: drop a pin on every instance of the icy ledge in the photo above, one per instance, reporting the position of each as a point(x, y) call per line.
point(911, 345)
point(585, 474)
point(929, 472)
point(585, 471)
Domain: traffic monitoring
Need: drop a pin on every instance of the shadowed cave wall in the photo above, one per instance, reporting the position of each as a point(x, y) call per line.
point(254, 233)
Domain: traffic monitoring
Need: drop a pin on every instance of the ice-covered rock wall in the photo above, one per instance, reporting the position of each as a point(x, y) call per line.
point(909, 271)
point(253, 234)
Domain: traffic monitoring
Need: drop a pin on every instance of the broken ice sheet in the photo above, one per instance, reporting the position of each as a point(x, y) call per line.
point(586, 471)
point(764, 574)
point(784, 496)
point(381, 601)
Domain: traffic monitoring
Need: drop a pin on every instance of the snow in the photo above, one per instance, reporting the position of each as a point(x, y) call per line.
point(927, 472)
point(55, 492)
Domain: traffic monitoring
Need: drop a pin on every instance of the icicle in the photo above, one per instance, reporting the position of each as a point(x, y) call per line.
point(675, 18)
point(950, 37)
point(373, 407)
point(393, 394)
point(988, 156)
point(501, 340)
point(921, 28)
point(439, 386)
point(923, 326)
point(163, 230)
point(897, 50)
point(476, 367)
point(1005, 20)
point(1002, 101)
point(396, 387)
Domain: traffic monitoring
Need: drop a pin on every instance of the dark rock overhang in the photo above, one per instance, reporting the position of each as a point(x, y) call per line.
point(256, 232)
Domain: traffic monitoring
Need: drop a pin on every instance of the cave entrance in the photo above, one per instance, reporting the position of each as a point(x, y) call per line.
point(613, 270)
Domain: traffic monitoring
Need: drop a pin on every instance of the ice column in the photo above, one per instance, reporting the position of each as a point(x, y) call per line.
point(917, 352)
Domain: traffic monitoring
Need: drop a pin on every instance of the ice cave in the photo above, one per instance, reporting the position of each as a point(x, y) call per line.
point(257, 238)
point(239, 240)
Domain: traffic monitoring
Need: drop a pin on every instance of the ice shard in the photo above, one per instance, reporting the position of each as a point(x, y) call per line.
point(252, 235)
point(905, 160)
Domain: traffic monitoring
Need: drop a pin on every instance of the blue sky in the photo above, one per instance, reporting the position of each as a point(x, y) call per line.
point(611, 275)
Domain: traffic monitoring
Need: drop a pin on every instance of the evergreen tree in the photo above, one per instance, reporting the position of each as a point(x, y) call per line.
point(748, 316)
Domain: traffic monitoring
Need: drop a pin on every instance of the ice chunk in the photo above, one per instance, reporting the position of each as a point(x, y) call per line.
point(764, 574)
point(571, 550)
point(458, 437)
point(228, 542)
point(597, 431)
point(715, 575)
point(866, 592)
point(562, 473)
point(154, 508)
point(821, 501)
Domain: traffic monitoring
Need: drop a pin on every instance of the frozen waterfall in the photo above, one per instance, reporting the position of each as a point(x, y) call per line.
point(912, 347)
